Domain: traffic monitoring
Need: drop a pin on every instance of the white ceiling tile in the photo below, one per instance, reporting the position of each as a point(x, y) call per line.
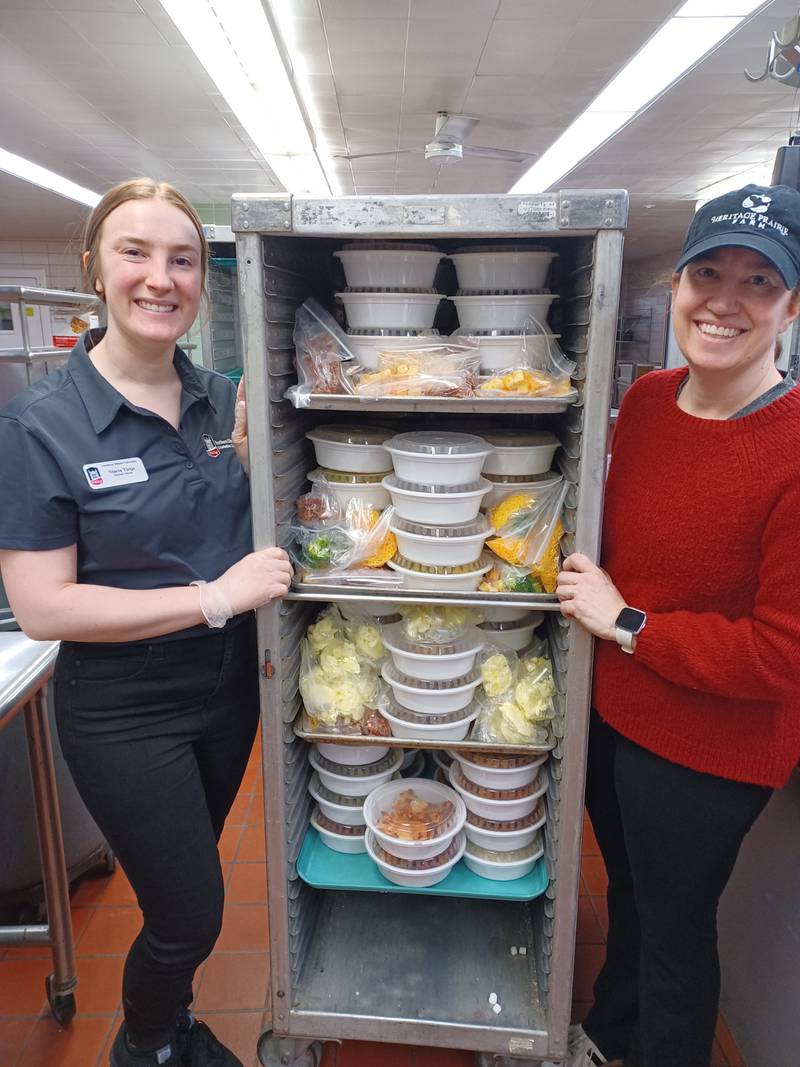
point(364, 10)
point(114, 28)
point(362, 36)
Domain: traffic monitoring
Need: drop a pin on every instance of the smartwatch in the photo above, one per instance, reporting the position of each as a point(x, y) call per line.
point(628, 624)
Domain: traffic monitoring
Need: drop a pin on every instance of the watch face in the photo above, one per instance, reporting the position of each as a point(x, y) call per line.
point(631, 619)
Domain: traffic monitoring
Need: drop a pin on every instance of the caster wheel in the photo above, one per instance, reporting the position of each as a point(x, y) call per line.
point(270, 1053)
point(110, 862)
point(62, 1005)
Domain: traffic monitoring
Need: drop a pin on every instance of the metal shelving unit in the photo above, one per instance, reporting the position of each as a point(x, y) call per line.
point(386, 966)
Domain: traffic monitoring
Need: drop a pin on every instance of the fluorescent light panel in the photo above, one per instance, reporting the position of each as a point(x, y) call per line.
point(234, 42)
point(694, 30)
point(46, 179)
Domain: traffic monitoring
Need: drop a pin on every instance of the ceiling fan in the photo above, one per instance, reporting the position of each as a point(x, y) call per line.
point(448, 143)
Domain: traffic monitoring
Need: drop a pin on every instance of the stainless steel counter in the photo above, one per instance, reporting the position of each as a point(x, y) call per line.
point(25, 665)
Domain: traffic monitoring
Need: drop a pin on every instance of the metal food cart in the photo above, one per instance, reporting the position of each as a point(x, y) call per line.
point(383, 965)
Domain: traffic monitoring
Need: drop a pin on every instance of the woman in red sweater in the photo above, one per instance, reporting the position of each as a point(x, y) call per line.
point(697, 612)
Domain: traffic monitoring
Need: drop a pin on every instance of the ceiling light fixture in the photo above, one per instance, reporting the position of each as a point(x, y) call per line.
point(693, 31)
point(236, 44)
point(46, 179)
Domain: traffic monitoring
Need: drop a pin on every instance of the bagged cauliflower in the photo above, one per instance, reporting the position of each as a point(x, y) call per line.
point(438, 623)
point(516, 697)
point(340, 674)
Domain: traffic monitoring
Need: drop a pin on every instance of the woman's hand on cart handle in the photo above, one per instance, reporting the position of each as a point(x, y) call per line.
point(239, 432)
point(256, 579)
point(588, 595)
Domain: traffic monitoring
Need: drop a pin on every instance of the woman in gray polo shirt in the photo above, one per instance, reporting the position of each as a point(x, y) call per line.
point(125, 533)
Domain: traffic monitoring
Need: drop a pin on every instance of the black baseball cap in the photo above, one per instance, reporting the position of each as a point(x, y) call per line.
point(764, 218)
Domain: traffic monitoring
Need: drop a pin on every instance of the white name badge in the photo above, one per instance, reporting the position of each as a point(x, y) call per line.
point(112, 472)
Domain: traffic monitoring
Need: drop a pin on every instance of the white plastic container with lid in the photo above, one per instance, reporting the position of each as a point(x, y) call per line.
point(431, 697)
point(406, 310)
point(509, 613)
point(515, 635)
point(356, 780)
point(366, 345)
point(520, 453)
point(501, 311)
point(502, 866)
point(435, 457)
point(494, 803)
point(352, 754)
point(353, 449)
point(507, 835)
point(491, 268)
point(436, 505)
point(345, 487)
point(500, 771)
point(423, 543)
point(435, 661)
point(463, 578)
point(338, 836)
point(424, 726)
point(414, 819)
point(503, 349)
point(392, 268)
point(505, 485)
point(347, 810)
point(418, 873)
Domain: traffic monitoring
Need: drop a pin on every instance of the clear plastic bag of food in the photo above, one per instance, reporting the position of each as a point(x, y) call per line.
point(339, 675)
point(528, 531)
point(324, 360)
point(318, 508)
point(426, 367)
point(537, 366)
point(515, 697)
point(357, 535)
point(437, 623)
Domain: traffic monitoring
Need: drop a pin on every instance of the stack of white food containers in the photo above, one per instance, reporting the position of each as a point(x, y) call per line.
point(504, 797)
point(353, 461)
point(415, 831)
point(431, 685)
point(437, 491)
point(389, 299)
point(345, 776)
point(501, 291)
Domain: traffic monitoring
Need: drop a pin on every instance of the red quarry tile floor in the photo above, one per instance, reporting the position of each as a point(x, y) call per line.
point(232, 987)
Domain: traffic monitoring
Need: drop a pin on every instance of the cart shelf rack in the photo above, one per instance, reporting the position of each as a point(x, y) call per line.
point(383, 965)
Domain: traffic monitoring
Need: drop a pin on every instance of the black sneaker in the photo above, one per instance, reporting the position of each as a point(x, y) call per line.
point(199, 1048)
point(122, 1055)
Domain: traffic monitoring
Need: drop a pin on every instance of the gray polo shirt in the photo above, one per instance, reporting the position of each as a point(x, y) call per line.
point(147, 505)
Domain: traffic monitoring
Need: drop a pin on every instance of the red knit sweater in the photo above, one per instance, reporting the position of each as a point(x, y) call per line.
point(702, 531)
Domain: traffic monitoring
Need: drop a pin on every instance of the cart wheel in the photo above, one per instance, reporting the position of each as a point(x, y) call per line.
point(110, 862)
point(270, 1054)
point(62, 1005)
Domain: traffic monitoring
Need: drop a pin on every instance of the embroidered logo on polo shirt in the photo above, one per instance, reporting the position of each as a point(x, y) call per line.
point(213, 446)
point(113, 472)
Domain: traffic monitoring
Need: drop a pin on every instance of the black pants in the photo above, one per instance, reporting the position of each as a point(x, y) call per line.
point(157, 738)
point(669, 837)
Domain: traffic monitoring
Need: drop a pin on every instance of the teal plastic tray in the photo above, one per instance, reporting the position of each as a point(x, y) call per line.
point(323, 868)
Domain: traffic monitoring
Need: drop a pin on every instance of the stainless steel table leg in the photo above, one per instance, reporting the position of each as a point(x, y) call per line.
point(51, 847)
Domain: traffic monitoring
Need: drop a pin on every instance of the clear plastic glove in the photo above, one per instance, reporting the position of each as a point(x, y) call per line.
point(239, 432)
point(255, 580)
